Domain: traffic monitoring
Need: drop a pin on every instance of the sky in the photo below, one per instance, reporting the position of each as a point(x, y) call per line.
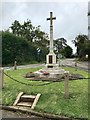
point(71, 17)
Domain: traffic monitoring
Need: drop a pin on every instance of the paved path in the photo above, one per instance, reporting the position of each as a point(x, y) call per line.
point(12, 114)
point(24, 66)
point(71, 62)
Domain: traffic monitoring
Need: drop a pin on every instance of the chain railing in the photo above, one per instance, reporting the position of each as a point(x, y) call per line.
point(38, 84)
point(27, 83)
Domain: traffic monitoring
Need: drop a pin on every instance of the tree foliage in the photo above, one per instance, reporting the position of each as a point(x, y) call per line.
point(83, 45)
point(60, 43)
point(68, 51)
point(22, 43)
point(14, 47)
point(62, 47)
point(29, 32)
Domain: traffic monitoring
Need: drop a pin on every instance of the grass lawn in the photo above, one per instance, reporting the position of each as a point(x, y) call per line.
point(52, 95)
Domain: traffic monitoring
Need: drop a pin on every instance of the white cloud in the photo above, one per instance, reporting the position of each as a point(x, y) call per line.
point(45, 1)
point(71, 18)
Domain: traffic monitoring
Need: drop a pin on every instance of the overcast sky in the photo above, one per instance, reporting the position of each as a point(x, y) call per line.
point(71, 18)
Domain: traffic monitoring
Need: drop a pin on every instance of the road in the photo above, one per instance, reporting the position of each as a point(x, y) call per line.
point(71, 62)
point(24, 66)
point(65, 62)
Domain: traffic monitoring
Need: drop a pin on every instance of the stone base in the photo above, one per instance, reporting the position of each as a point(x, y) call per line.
point(51, 65)
point(55, 72)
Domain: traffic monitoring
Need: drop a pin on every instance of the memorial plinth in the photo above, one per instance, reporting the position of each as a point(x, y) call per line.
point(51, 67)
point(54, 72)
point(51, 57)
point(51, 60)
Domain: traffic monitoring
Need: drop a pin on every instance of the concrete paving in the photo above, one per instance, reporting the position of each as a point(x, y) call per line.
point(24, 66)
point(12, 114)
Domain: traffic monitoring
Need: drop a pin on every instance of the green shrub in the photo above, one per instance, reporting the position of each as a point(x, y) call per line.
point(14, 47)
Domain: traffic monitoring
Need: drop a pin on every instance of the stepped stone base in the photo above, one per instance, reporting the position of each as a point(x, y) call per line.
point(55, 72)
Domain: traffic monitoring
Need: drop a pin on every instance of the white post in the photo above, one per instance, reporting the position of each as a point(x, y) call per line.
point(66, 75)
point(75, 65)
point(15, 65)
point(86, 56)
point(1, 78)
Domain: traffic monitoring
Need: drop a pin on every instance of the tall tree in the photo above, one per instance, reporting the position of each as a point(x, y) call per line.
point(16, 28)
point(41, 38)
point(68, 51)
point(27, 28)
point(29, 32)
point(82, 43)
point(59, 44)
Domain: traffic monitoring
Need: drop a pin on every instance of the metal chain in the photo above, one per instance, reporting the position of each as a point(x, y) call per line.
point(26, 83)
point(37, 84)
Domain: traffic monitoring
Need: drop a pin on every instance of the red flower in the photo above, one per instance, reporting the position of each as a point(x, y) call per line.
point(45, 73)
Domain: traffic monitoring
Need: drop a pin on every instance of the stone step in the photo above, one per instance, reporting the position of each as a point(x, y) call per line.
point(27, 98)
point(27, 104)
point(23, 100)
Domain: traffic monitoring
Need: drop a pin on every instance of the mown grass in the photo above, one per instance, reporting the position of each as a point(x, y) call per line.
point(52, 95)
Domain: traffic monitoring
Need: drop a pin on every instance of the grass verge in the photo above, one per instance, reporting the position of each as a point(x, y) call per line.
point(52, 95)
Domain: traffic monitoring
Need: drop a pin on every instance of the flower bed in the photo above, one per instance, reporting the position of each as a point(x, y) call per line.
point(44, 72)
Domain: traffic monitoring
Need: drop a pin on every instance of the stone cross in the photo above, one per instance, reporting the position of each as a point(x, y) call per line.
point(51, 31)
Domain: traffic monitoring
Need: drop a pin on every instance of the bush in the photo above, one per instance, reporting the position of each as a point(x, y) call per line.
point(14, 47)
